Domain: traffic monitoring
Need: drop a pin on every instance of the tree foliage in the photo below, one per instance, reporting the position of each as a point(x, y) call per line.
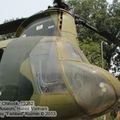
point(103, 16)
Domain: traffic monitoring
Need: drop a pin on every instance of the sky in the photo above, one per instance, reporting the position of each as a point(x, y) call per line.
point(22, 8)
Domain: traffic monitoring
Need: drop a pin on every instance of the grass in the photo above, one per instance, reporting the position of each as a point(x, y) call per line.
point(101, 118)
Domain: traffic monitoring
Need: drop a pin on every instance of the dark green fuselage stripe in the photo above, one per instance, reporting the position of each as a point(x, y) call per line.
point(10, 77)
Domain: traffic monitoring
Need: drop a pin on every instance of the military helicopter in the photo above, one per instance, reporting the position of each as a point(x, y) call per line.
point(46, 65)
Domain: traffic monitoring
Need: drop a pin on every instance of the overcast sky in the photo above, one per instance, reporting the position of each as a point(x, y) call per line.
point(21, 8)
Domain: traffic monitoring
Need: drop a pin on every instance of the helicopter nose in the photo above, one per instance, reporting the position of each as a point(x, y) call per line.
point(94, 89)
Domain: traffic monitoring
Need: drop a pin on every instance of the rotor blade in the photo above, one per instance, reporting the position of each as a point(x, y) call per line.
point(105, 34)
point(10, 27)
point(110, 38)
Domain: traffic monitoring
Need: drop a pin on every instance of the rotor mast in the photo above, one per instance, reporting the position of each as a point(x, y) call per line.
point(60, 4)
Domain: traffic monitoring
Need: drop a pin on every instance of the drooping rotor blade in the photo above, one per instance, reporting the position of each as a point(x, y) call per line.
point(110, 38)
point(10, 27)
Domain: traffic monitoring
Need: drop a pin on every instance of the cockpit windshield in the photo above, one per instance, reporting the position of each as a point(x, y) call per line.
point(46, 26)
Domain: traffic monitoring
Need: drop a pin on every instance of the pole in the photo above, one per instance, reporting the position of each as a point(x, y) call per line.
point(102, 59)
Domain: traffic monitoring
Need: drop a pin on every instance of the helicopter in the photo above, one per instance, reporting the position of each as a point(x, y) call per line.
point(45, 64)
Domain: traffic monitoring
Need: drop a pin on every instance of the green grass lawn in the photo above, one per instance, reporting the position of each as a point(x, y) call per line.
point(101, 118)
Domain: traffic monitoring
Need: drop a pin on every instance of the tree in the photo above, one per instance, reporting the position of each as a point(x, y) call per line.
point(93, 11)
point(102, 16)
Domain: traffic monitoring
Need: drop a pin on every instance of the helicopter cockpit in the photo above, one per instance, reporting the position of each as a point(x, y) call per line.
point(45, 24)
point(43, 27)
point(52, 22)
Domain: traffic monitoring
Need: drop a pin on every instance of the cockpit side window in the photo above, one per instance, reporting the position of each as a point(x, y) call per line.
point(67, 51)
point(47, 69)
point(43, 27)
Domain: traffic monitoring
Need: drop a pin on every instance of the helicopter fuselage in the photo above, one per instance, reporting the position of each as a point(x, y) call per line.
point(46, 65)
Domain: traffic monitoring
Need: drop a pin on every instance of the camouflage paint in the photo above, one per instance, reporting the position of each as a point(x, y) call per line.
point(20, 72)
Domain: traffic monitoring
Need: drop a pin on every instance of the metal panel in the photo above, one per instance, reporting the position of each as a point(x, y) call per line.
point(46, 68)
point(90, 87)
